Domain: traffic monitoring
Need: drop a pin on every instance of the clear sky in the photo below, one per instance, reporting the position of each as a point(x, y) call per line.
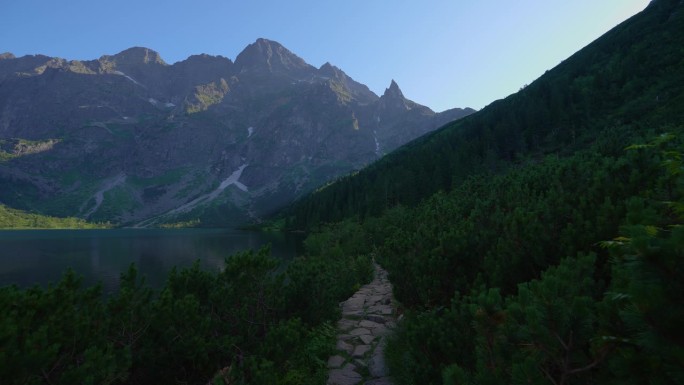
point(442, 53)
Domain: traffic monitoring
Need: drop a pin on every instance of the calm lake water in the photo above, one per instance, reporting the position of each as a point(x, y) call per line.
point(29, 257)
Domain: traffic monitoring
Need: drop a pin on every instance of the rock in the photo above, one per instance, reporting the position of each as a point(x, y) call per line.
point(345, 347)
point(376, 365)
point(379, 381)
point(376, 318)
point(353, 304)
point(380, 331)
point(367, 339)
point(360, 363)
point(359, 332)
point(369, 324)
point(386, 310)
point(346, 324)
point(335, 361)
point(380, 309)
point(353, 313)
point(361, 350)
point(363, 338)
point(344, 376)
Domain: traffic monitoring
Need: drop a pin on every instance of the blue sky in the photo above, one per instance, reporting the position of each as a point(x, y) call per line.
point(442, 53)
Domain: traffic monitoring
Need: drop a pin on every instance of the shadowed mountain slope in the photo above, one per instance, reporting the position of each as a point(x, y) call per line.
point(630, 78)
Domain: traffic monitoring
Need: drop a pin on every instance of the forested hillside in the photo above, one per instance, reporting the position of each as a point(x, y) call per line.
point(628, 79)
point(540, 240)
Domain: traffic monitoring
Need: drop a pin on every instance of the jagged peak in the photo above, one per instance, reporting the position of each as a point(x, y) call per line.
point(393, 91)
point(330, 70)
point(327, 66)
point(7, 55)
point(269, 54)
point(206, 58)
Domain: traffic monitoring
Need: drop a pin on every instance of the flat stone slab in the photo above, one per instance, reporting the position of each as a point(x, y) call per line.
point(345, 347)
point(381, 331)
point(343, 376)
point(376, 318)
point(375, 299)
point(386, 311)
point(358, 313)
point(367, 339)
point(379, 381)
point(359, 332)
point(369, 324)
point(376, 365)
point(361, 350)
point(354, 303)
point(380, 309)
point(346, 324)
point(335, 362)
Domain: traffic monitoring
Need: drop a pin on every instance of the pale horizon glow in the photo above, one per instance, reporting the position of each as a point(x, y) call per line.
point(442, 53)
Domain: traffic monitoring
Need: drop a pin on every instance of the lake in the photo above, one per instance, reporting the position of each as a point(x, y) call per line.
point(29, 257)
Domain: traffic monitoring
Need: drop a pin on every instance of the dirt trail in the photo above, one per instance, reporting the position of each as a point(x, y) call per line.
point(368, 317)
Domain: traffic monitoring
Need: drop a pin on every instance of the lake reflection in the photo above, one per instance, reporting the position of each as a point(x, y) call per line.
point(29, 257)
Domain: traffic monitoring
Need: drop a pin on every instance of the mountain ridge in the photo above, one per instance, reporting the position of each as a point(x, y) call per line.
point(190, 124)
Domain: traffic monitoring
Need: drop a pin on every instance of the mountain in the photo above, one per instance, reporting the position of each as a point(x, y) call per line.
point(131, 139)
point(628, 78)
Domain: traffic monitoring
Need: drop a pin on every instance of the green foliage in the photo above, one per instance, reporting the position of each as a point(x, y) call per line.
point(181, 225)
point(499, 230)
point(332, 255)
point(58, 336)
point(252, 323)
point(17, 219)
point(648, 276)
point(527, 315)
point(17, 147)
point(629, 79)
point(543, 334)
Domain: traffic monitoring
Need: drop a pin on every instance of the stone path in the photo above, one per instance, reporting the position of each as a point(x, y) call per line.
point(367, 318)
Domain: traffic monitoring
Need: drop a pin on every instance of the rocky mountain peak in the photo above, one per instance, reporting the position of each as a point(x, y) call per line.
point(329, 70)
point(270, 56)
point(7, 55)
point(135, 56)
point(393, 91)
point(203, 57)
point(265, 129)
point(342, 82)
point(393, 100)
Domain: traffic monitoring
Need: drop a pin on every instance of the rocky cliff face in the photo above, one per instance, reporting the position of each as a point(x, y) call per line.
point(134, 140)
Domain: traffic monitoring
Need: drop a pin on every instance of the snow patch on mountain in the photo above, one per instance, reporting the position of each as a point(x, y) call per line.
point(128, 77)
point(233, 179)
